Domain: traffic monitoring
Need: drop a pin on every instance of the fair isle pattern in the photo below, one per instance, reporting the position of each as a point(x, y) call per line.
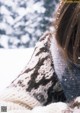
point(39, 77)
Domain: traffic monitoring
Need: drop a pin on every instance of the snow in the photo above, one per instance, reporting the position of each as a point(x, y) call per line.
point(24, 17)
point(12, 62)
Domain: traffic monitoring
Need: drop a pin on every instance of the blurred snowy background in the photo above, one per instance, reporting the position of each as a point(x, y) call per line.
point(22, 22)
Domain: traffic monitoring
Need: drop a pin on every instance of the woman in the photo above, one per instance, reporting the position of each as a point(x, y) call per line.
point(52, 74)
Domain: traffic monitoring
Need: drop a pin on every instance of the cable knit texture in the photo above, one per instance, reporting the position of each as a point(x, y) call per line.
point(38, 85)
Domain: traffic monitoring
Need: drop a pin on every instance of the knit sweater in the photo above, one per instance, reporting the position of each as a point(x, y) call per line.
point(38, 85)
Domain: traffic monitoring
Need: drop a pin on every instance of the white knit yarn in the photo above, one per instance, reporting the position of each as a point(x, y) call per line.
point(17, 99)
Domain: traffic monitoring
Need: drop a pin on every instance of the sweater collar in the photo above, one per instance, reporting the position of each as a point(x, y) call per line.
point(67, 72)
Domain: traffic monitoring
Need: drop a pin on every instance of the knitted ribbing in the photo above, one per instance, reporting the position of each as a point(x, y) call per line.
point(17, 99)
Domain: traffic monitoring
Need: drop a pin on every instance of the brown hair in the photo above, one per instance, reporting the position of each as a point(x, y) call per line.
point(68, 30)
